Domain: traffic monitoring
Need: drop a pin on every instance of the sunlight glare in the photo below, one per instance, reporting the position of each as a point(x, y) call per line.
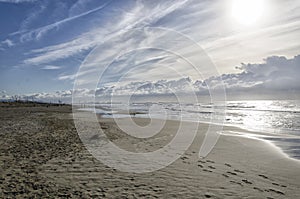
point(247, 12)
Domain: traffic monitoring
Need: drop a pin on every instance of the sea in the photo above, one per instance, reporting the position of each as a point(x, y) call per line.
point(280, 119)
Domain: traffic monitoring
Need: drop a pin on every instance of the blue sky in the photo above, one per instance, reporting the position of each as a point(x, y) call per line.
point(43, 43)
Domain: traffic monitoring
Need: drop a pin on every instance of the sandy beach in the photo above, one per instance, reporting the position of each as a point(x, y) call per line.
point(42, 156)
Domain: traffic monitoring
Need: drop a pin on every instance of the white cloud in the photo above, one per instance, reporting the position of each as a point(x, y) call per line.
point(60, 51)
point(8, 43)
point(183, 85)
point(79, 7)
point(276, 73)
point(67, 77)
point(252, 45)
point(39, 32)
point(201, 20)
point(50, 67)
point(34, 15)
point(17, 1)
point(196, 19)
point(137, 17)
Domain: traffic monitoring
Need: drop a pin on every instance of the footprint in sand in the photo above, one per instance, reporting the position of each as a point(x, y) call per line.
point(227, 164)
point(207, 196)
point(234, 182)
point(226, 176)
point(201, 161)
point(206, 170)
point(256, 188)
point(239, 171)
point(279, 185)
point(247, 181)
point(183, 157)
point(210, 161)
point(276, 191)
point(211, 167)
point(199, 165)
point(263, 176)
point(104, 127)
point(232, 173)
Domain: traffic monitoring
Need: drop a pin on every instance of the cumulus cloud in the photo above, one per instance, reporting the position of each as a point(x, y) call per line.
point(182, 85)
point(55, 97)
point(275, 73)
point(4, 95)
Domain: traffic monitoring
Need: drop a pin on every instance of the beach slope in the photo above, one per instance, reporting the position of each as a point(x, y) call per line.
point(41, 155)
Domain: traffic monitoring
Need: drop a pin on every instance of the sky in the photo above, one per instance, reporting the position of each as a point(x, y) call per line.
point(44, 43)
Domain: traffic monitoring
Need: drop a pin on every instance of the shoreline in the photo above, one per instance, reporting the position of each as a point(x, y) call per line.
point(256, 155)
point(261, 138)
point(228, 130)
point(50, 161)
point(241, 131)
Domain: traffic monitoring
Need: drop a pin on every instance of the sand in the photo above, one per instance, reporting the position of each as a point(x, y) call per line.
point(41, 155)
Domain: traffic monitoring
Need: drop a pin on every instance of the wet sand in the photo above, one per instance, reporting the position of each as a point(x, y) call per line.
point(41, 155)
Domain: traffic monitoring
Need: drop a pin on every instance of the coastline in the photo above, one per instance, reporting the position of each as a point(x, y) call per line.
point(42, 155)
point(279, 141)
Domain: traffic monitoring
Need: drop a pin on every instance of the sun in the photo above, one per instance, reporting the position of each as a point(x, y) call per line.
point(247, 12)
